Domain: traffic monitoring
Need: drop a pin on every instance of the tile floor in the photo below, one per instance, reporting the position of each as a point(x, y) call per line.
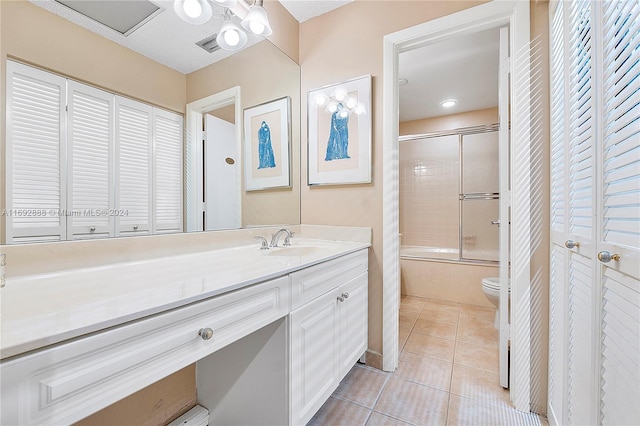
point(447, 374)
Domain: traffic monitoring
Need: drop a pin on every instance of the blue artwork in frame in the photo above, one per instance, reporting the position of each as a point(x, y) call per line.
point(265, 149)
point(267, 135)
point(338, 144)
point(339, 138)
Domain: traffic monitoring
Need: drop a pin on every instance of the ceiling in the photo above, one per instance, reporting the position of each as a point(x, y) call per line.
point(166, 38)
point(463, 68)
point(304, 10)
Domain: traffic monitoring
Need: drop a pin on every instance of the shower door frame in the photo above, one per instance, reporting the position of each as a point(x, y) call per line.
point(494, 14)
point(460, 133)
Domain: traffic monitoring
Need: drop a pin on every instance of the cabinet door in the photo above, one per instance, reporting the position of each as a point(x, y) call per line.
point(314, 355)
point(35, 164)
point(167, 172)
point(90, 162)
point(133, 167)
point(353, 310)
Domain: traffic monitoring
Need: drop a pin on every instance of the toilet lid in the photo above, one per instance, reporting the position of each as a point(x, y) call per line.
point(493, 283)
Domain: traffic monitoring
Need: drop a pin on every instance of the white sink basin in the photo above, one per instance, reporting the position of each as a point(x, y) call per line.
point(293, 251)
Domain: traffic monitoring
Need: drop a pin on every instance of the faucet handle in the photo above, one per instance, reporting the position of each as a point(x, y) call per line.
point(264, 243)
point(287, 239)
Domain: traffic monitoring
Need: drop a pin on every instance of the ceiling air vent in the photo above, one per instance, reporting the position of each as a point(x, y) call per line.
point(123, 16)
point(209, 44)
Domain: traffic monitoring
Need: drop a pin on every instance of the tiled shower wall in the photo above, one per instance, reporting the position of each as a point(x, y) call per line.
point(429, 187)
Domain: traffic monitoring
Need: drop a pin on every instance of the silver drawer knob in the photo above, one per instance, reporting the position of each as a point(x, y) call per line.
point(92, 229)
point(135, 227)
point(606, 257)
point(205, 333)
point(343, 296)
point(571, 244)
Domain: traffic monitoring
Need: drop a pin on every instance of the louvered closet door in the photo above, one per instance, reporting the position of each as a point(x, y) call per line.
point(581, 194)
point(167, 172)
point(595, 198)
point(133, 167)
point(619, 215)
point(35, 161)
point(559, 226)
point(90, 156)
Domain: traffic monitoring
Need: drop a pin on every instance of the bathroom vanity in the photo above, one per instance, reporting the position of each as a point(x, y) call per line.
point(274, 330)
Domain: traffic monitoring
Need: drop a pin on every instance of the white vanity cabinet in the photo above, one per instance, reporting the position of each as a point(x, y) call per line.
point(67, 382)
point(328, 332)
point(280, 344)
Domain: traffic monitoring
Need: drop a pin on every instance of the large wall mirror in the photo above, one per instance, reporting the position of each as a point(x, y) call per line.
point(214, 193)
point(217, 97)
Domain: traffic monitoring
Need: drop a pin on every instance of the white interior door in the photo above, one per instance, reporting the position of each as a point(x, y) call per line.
point(559, 211)
point(505, 203)
point(221, 175)
point(618, 242)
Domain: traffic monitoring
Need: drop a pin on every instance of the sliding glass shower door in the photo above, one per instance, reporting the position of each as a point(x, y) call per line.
point(479, 197)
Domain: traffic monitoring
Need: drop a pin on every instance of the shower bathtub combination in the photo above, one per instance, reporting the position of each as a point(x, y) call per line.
point(449, 209)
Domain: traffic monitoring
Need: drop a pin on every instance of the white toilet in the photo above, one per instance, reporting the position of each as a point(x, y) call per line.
point(491, 290)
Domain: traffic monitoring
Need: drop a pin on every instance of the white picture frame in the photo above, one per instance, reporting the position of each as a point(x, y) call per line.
point(267, 145)
point(339, 133)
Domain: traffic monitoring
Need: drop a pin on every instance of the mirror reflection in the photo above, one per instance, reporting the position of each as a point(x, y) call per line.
point(210, 91)
point(76, 56)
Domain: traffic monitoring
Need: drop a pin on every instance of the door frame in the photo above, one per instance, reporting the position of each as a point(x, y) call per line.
point(485, 16)
point(193, 151)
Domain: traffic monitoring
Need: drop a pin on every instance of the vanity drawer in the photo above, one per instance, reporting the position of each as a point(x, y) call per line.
point(312, 282)
point(67, 382)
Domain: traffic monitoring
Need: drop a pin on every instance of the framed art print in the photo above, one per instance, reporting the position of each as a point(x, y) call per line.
point(339, 138)
point(267, 135)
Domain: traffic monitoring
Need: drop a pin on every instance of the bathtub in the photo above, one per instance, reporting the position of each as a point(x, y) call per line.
point(437, 273)
point(422, 252)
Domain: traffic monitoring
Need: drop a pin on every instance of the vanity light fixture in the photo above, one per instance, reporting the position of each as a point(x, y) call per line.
point(257, 20)
point(340, 99)
point(231, 36)
point(448, 103)
point(194, 12)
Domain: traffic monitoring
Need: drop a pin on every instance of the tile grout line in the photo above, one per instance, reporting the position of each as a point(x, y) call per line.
point(453, 363)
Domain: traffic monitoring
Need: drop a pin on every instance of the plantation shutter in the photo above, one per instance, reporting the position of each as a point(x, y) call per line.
point(35, 160)
point(133, 167)
point(90, 148)
point(167, 171)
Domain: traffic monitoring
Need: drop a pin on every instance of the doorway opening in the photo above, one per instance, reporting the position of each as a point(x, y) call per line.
point(454, 175)
point(515, 16)
point(213, 162)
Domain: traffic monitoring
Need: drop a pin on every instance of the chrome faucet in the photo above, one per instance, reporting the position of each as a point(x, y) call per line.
point(264, 244)
point(276, 236)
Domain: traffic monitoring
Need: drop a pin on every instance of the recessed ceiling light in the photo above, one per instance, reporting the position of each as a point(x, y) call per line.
point(448, 103)
point(402, 81)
